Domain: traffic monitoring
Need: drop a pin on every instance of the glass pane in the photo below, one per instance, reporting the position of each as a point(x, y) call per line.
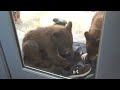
point(61, 42)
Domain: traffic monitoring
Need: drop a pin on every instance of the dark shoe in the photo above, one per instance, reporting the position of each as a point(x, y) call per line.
point(84, 57)
point(87, 61)
point(80, 71)
point(90, 76)
point(93, 65)
point(59, 21)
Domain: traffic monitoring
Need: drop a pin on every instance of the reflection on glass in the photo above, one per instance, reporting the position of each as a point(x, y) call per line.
point(64, 43)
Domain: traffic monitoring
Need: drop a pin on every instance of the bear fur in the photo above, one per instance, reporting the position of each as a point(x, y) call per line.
point(44, 46)
point(93, 35)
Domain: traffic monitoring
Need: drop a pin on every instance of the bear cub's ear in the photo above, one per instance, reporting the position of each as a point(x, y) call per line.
point(86, 34)
point(69, 26)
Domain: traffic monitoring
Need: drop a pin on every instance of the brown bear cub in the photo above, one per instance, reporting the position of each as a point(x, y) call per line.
point(93, 36)
point(45, 46)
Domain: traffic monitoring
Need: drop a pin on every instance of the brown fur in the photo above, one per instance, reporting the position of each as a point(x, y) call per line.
point(44, 46)
point(93, 36)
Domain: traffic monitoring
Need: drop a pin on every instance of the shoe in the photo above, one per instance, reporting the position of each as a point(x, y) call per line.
point(86, 61)
point(93, 65)
point(84, 57)
point(90, 76)
point(80, 71)
point(60, 21)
